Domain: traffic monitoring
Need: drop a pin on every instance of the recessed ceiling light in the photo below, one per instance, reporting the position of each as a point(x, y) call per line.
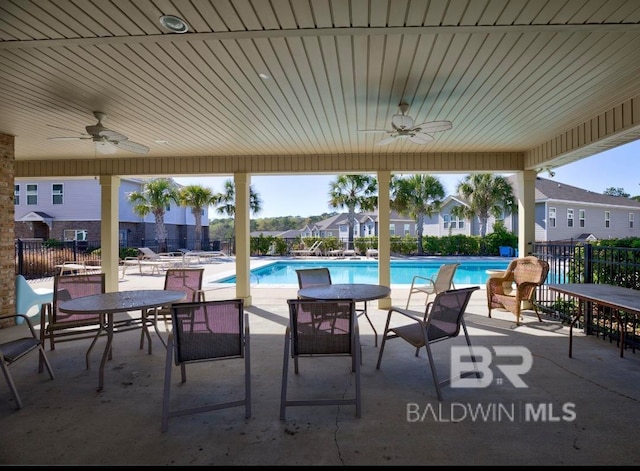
point(264, 76)
point(161, 141)
point(174, 24)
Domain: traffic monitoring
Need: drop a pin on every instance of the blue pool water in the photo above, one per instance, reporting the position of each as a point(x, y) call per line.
point(283, 272)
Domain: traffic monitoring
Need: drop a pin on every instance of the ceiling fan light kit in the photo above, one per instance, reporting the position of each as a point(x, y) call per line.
point(403, 128)
point(106, 140)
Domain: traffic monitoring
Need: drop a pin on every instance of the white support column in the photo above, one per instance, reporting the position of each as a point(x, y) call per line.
point(384, 238)
point(110, 222)
point(526, 211)
point(242, 230)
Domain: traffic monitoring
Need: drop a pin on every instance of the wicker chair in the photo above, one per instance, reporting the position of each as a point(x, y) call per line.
point(527, 274)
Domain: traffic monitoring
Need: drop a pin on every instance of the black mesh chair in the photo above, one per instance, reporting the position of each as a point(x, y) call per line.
point(321, 328)
point(202, 332)
point(308, 277)
point(441, 321)
point(14, 350)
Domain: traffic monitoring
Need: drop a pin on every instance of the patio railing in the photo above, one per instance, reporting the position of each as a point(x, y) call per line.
point(586, 263)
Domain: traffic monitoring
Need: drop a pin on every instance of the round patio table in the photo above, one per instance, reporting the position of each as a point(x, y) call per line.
point(108, 304)
point(357, 291)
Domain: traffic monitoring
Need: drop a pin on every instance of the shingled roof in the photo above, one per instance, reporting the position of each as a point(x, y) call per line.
point(552, 190)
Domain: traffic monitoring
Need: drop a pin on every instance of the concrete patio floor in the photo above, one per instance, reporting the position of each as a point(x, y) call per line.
point(591, 402)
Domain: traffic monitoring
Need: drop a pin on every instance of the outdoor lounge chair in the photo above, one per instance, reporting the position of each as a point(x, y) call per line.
point(313, 250)
point(320, 328)
point(442, 320)
point(155, 261)
point(442, 282)
point(527, 274)
point(12, 350)
point(202, 332)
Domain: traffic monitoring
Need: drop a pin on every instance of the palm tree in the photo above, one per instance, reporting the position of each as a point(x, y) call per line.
point(153, 198)
point(417, 196)
point(226, 202)
point(353, 192)
point(486, 194)
point(197, 198)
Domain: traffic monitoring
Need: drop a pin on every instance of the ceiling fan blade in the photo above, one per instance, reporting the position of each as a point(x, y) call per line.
point(386, 141)
point(421, 138)
point(131, 146)
point(105, 147)
point(67, 138)
point(66, 129)
point(433, 126)
point(373, 130)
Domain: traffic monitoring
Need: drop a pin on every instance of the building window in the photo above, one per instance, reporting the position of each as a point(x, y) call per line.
point(407, 229)
point(75, 234)
point(607, 219)
point(16, 194)
point(32, 194)
point(57, 193)
point(392, 230)
point(630, 220)
point(581, 217)
point(552, 217)
point(456, 223)
point(445, 219)
point(569, 217)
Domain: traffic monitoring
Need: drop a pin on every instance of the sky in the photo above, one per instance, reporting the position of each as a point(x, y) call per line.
point(307, 195)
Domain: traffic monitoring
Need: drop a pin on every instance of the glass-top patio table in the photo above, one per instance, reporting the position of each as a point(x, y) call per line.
point(108, 304)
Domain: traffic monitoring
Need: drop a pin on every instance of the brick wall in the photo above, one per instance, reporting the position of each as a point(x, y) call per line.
point(7, 256)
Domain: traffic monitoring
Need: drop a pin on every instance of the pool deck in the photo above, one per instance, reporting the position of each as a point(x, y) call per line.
point(67, 422)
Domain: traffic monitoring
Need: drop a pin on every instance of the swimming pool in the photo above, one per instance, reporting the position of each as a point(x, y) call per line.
point(283, 272)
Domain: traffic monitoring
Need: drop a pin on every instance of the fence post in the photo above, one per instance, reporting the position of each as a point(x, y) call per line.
point(588, 278)
point(20, 257)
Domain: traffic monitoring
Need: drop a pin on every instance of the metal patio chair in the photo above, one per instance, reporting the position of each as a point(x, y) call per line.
point(321, 328)
point(13, 350)
point(203, 332)
point(442, 320)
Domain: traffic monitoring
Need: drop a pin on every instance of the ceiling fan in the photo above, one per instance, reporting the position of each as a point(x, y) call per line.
point(403, 128)
point(106, 140)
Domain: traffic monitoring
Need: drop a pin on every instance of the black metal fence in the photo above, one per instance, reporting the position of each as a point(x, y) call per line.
point(587, 263)
point(40, 259)
point(569, 263)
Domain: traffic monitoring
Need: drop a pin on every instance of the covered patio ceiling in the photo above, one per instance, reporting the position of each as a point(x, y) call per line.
point(547, 82)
